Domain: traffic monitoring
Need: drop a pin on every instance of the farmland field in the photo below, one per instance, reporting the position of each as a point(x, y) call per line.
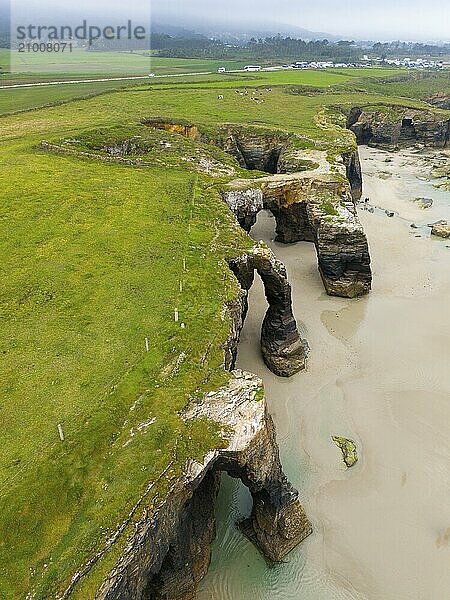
point(19, 99)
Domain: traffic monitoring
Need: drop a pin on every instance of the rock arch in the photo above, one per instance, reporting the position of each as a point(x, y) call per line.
point(169, 551)
point(284, 351)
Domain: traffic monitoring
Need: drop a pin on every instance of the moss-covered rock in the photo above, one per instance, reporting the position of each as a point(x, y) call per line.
point(348, 449)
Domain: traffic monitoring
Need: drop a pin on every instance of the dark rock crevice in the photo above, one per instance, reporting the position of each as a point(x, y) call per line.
point(188, 556)
point(397, 126)
point(259, 156)
point(353, 168)
point(255, 151)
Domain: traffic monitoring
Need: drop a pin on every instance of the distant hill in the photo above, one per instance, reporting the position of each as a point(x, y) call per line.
point(174, 30)
point(236, 32)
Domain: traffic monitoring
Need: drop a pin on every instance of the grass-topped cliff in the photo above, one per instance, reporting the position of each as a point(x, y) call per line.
point(95, 258)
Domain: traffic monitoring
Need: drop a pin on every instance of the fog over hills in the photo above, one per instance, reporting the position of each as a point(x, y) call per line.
point(413, 20)
point(235, 32)
point(234, 20)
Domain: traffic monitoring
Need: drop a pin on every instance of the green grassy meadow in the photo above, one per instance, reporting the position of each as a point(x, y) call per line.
point(92, 259)
point(79, 62)
point(26, 98)
point(21, 99)
point(91, 263)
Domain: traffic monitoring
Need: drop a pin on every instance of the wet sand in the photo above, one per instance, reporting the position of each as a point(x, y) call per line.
point(379, 373)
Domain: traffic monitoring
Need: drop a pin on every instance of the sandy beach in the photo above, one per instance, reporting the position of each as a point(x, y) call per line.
point(378, 373)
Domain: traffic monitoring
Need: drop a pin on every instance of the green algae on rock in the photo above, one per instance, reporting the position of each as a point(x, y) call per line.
point(348, 449)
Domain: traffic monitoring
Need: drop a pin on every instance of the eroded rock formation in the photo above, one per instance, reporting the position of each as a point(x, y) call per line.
point(254, 150)
point(169, 551)
point(312, 197)
point(246, 205)
point(283, 350)
point(441, 230)
point(320, 206)
point(440, 100)
point(322, 210)
point(354, 173)
point(399, 126)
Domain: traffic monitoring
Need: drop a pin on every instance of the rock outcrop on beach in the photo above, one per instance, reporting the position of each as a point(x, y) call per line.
point(319, 206)
point(169, 551)
point(322, 210)
point(283, 350)
point(348, 449)
point(396, 126)
point(441, 230)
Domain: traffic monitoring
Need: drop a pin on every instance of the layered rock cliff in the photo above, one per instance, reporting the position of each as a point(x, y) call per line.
point(440, 100)
point(283, 350)
point(313, 197)
point(168, 541)
point(169, 552)
point(170, 549)
point(399, 126)
point(318, 206)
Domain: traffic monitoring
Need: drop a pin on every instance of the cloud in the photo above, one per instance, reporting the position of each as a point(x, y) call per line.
point(369, 19)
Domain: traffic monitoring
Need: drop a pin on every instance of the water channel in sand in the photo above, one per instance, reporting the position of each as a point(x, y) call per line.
point(379, 373)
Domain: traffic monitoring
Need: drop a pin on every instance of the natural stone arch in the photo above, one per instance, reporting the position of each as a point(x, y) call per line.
point(283, 350)
point(170, 549)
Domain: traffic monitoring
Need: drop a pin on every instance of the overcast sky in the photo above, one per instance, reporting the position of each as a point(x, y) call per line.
point(393, 19)
point(361, 19)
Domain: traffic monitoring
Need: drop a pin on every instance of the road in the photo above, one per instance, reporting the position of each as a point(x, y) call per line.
point(105, 79)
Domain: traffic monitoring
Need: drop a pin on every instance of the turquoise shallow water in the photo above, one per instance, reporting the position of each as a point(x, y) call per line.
point(239, 571)
point(378, 373)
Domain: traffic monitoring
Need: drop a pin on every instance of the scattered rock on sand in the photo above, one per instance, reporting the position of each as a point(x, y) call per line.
point(348, 449)
point(424, 202)
point(441, 230)
point(389, 213)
